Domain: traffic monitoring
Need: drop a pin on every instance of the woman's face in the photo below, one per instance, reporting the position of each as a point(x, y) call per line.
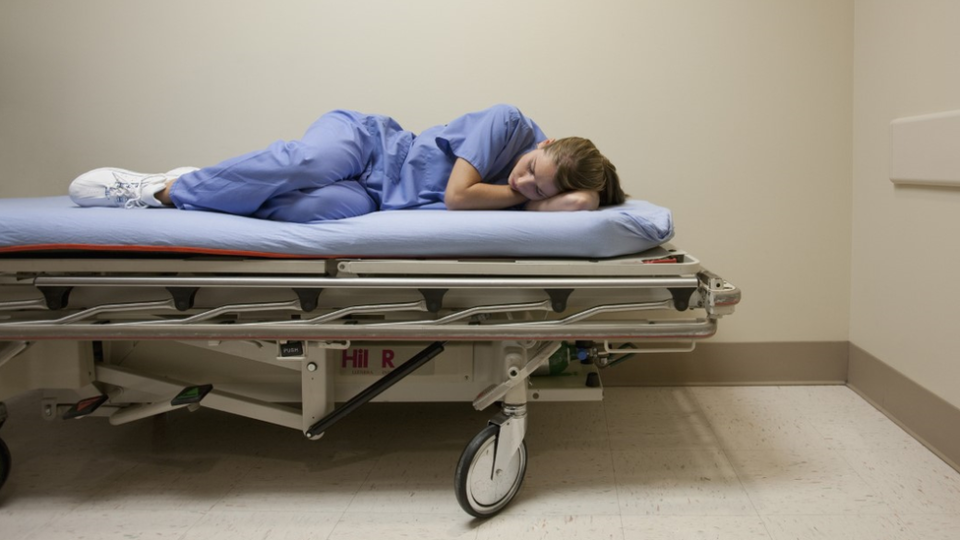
point(534, 176)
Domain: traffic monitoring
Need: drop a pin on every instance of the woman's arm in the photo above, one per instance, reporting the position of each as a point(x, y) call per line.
point(567, 201)
point(466, 191)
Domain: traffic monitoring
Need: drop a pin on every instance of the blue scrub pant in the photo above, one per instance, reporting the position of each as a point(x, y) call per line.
point(319, 177)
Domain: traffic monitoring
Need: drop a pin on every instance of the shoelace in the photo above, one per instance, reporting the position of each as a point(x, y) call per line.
point(131, 194)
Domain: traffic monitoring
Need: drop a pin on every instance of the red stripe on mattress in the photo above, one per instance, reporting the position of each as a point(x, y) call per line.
point(213, 251)
point(163, 249)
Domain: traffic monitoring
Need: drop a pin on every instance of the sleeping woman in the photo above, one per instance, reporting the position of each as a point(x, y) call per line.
point(349, 164)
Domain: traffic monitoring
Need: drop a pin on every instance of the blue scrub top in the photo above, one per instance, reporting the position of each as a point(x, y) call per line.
point(492, 140)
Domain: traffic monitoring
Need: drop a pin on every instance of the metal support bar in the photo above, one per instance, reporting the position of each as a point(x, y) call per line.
point(110, 308)
point(24, 304)
point(232, 308)
point(11, 349)
point(377, 388)
point(478, 310)
point(537, 330)
point(216, 399)
point(372, 283)
point(137, 412)
point(685, 348)
point(605, 308)
point(366, 309)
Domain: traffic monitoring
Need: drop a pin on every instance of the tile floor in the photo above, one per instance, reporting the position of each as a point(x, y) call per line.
point(740, 463)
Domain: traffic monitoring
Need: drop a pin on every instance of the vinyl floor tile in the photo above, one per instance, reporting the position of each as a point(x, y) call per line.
point(751, 463)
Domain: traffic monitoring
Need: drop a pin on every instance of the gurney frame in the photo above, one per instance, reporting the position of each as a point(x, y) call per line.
point(70, 323)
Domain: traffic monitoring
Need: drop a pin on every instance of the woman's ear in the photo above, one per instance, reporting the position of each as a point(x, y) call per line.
point(542, 144)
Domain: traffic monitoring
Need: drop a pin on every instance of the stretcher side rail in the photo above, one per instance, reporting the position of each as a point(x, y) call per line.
point(612, 331)
point(177, 318)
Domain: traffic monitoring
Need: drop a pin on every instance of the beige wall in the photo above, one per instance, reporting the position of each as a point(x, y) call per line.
point(906, 240)
point(736, 113)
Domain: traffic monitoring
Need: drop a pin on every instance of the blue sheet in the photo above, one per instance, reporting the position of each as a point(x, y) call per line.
point(55, 223)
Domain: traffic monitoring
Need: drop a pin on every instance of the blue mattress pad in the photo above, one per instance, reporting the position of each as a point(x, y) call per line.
point(56, 224)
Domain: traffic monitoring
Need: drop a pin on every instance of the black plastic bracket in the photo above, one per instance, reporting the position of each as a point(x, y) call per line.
point(434, 298)
point(309, 298)
point(56, 297)
point(191, 395)
point(558, 299)
point(183, 296)
point(85, 407)
point(681, 298)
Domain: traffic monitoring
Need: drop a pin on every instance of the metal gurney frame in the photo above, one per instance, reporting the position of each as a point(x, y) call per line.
point(78, 324)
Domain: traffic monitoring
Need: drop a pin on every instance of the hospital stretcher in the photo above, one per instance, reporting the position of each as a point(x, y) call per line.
point(270, 321)
point(284, 341)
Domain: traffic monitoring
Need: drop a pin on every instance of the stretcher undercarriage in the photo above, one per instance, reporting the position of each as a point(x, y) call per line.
point(302, 343)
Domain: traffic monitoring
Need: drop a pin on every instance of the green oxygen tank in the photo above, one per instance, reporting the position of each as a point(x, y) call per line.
point(558, 361)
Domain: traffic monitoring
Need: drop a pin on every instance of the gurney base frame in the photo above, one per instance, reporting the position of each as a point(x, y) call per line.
point(298, 343)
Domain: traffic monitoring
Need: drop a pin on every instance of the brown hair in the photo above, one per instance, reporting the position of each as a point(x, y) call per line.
point(580, 166)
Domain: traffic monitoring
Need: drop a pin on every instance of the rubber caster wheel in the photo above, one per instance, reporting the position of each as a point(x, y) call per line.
point(4, 462)
point(481, 491)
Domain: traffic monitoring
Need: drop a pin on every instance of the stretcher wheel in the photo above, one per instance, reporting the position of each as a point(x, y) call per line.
point(481, 491)
point(4, 462)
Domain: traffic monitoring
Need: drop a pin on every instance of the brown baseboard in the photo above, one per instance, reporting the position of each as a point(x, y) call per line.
point(927, 417)
point(780, 363)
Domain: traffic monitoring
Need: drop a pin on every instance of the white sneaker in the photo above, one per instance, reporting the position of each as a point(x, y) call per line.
point(121, 188)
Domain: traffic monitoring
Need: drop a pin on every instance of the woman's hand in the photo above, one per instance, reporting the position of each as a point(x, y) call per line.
point(566, 202)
